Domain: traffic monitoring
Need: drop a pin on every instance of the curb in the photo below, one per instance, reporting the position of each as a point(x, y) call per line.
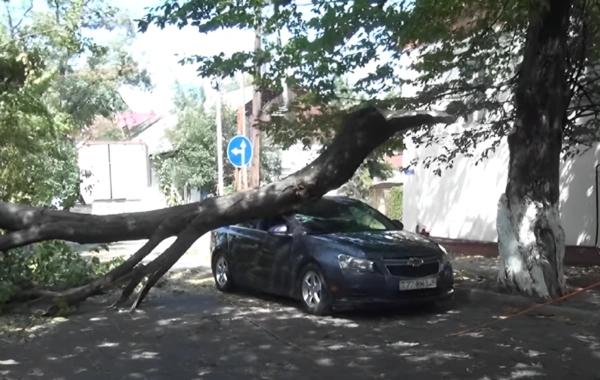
point(470, 295)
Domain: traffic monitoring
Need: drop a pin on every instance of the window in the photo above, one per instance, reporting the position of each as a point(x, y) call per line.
point(250, 224)
point(331, 216)
point(265, 224)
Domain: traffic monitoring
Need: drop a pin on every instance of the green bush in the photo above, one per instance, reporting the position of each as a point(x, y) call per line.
point(394, 203)
point(50, 265)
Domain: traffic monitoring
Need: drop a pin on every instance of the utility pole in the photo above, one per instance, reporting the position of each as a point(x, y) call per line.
point(285, 94)
point(256, 105)
point(244, 131)
point(220, 187)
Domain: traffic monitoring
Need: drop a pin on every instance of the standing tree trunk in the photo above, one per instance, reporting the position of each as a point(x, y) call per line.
point(531, 241)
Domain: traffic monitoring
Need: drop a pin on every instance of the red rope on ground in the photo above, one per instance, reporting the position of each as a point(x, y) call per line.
point(523, 312)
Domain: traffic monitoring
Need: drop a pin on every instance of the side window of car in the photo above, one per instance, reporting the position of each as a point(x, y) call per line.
point(250, 224)
point(266, 223)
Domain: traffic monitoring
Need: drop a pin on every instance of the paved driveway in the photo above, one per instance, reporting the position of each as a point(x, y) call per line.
point(204, 336)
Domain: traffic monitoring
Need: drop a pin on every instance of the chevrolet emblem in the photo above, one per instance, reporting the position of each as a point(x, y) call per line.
point(415, 262)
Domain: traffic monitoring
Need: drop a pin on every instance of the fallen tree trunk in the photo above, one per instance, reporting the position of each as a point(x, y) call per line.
point(362, 132)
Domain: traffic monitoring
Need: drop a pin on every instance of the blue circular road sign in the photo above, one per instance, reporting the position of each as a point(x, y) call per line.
point(239, 151)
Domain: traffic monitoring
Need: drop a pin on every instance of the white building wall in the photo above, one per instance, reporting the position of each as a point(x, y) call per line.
point(236, 98)
point(296, 157)
point(120, 180)
point(462, 203)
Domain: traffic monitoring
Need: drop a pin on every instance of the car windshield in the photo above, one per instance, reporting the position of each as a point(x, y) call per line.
point(331, 216)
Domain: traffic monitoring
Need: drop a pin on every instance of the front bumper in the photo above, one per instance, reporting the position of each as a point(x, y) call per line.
point(353, 288)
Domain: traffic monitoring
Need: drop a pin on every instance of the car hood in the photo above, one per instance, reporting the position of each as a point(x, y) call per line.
point(385, 244)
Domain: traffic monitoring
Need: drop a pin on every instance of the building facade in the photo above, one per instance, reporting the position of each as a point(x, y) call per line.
point(462, 202)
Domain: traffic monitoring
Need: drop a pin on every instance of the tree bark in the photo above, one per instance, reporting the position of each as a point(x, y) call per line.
point(531, 240)
point(362, 132)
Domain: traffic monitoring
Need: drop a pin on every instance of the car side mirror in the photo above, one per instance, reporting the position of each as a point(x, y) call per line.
point(399, 224)
point(280, 230)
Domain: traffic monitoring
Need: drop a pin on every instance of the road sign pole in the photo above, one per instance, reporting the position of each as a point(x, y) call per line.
point(243, 159)
point(244, 170)
point(220, 189)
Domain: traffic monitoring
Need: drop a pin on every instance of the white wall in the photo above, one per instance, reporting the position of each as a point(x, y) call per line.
point(120, 178)
point(95, 168)
point(296, 157)
point(234, 98)
point(462, 203)
point(578, 197)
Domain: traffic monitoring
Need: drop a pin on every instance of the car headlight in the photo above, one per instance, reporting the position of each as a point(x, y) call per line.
point(445, 258)
point(356, 264)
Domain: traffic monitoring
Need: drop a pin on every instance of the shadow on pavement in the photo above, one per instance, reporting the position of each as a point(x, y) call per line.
point(244, 336)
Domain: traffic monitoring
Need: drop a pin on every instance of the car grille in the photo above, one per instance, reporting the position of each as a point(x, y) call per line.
point(428, 268)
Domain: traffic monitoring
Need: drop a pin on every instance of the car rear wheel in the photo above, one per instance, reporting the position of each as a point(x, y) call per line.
point(221, 273)
point(314, 291)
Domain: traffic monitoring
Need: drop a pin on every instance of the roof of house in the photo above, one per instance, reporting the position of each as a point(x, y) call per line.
point(144, 128)
point(132, 119)
point(396, 161)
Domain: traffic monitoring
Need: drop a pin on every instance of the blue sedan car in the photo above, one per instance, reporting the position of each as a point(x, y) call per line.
point(334, 252)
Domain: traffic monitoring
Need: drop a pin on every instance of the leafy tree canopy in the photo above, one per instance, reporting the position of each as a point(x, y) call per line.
point(306, 64)
point(465, 53)
point(192, 162)
point(55, 79)
point(193, 159)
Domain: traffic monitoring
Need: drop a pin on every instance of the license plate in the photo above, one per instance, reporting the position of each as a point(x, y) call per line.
point(422, 283)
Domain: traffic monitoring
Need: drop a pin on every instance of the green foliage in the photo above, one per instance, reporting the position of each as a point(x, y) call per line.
point(394, 203)
point(311, 66)
point(461, 54)
point(192, 162)
point(270, 160)
point(54, 82)
point(51, 265)
point(359, 185)
point(233, 84)
point(113, 134)
point(228, 189)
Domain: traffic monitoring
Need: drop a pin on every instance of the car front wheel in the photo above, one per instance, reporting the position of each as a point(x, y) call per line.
point(314, 291)
point(221, 273)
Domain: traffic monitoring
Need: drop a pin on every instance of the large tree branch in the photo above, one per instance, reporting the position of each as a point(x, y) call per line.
point(362, 132)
